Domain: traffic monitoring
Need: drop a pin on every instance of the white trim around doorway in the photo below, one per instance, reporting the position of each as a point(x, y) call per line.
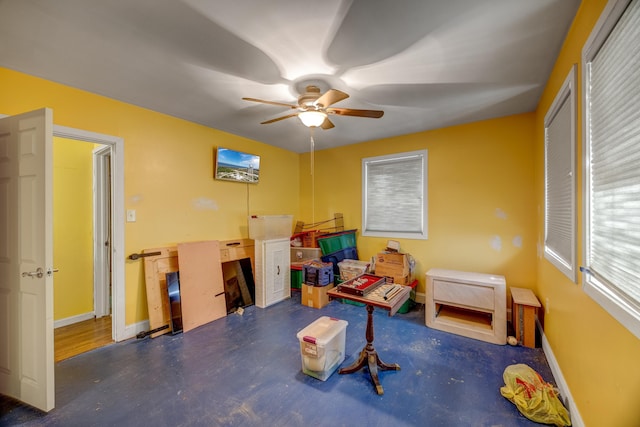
point(119, 331)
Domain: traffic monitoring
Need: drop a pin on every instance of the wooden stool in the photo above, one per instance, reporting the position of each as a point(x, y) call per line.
point(524, 309)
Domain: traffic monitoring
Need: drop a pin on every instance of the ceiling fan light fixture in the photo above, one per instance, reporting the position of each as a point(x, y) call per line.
point(312, 118)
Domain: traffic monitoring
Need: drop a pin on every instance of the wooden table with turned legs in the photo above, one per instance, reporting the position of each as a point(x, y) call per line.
point(369, 356)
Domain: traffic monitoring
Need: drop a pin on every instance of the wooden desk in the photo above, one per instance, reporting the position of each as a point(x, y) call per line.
point(368, 356)
point(160, 261)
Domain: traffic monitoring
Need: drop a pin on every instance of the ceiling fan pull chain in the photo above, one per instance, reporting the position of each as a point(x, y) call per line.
point(312, 149)
point(313, 183)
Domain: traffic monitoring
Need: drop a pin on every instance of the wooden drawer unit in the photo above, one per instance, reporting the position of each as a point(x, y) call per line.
point(231, 250)
point(468, 304)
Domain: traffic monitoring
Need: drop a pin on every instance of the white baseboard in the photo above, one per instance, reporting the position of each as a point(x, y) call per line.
point(420, 297)
point(73, 319)
point(130, 331)
point(565, 394)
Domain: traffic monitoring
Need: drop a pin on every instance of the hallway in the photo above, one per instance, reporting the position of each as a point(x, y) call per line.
point(81, 337)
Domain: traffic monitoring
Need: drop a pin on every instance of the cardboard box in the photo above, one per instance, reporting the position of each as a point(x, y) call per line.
point(315, 296)
point(400, 280)
point(392, 264)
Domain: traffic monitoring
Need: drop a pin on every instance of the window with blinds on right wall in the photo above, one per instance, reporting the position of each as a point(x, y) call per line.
point(611, 158)
point(559, 178)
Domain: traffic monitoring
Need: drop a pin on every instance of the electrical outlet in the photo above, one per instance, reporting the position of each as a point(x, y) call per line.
point(131, 215)
point(546, 305)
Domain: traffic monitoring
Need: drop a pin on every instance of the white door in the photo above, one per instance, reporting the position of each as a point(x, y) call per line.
point(102, 231)
point(26, 256)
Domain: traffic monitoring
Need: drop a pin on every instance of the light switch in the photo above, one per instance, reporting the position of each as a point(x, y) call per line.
point(131, 215)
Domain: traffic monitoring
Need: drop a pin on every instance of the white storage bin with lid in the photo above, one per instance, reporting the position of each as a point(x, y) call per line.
point(269, 227)
point(352, 268)
point(322, 346)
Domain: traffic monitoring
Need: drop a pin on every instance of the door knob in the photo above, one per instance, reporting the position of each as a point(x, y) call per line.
point(50, 271)
point(38, 273)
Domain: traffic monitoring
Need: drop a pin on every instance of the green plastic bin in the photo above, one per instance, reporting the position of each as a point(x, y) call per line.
point(334, 242)
point(408, 304)
point(296, 278)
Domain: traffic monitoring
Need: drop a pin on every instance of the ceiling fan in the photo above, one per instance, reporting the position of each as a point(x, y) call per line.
point(314, 108)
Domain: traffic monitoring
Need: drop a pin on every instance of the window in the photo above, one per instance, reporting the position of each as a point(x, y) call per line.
point(394, 195)
point(611, 62)
point(559, 174)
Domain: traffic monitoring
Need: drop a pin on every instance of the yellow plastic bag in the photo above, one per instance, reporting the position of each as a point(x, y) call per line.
point(534, 398)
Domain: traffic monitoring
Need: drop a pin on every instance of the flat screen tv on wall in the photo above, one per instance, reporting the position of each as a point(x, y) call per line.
point(231, 165)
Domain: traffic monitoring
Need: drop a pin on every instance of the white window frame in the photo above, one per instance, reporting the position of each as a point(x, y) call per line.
point(400, 196)
point(616, 303)
point(560, 180)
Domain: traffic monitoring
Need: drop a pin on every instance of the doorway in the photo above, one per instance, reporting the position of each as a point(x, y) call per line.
point(82, 246)
point(108, 239)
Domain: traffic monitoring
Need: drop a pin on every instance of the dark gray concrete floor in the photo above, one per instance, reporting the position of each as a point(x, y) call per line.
point(245, 370)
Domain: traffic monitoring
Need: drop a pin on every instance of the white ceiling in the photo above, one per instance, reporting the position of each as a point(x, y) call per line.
point(426, 63)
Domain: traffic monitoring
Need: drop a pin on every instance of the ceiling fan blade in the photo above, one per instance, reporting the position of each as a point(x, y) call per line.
point(327, 124)
point(277, 119)
point(281, 104)
point(374, 114)
point(331, 97)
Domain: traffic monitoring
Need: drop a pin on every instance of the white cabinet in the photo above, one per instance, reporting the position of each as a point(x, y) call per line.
point(468, 304)
point(272, 275)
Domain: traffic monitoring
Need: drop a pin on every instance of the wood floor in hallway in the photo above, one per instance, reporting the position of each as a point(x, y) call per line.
point(81, 337)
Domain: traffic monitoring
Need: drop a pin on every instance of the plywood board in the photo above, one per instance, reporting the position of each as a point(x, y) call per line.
point(155, 269)
point(201, 283)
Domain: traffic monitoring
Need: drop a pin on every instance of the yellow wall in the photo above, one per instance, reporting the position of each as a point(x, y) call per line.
point(480, 196)
point(72, 228)
point(597, 355)
point(168, 172)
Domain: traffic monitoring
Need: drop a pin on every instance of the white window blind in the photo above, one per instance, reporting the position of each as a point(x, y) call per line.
point(612, 252)
point(395, 195)
point(559, 125)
